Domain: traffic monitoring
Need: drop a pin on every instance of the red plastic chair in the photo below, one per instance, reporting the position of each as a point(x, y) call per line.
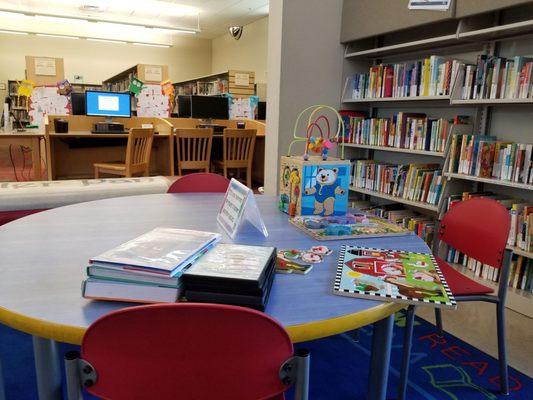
point(200, 182)
point(187, 351)
point(8, 216)
point(479, 228)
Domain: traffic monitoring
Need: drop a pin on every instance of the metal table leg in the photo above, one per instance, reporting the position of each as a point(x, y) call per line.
point(47, 368)
point(380, 358)
point(2, 392)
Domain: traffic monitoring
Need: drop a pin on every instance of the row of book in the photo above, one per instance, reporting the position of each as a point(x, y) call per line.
point(498, 78)
point(421, 225)
point(167, 265)
point(487, 157)
point(520, 276)
point(431, 76)
point(207, 88)
point(417, 182)
point(414, 131)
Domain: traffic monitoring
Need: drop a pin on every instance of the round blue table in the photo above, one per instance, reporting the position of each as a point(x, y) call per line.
point(44, 257)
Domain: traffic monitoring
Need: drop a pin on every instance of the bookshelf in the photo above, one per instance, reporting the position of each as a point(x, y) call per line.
point(19, 104)
point(82, 87)
point(505, 33)
point(237, 83)
point(147, 73)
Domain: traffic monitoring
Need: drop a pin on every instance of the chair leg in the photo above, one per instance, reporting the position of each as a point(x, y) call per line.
point(225, 172)
point(249, 177)
point(96, 173)
point(438, 321)
point(73, 382)
point(406, 356)
point(502, 348)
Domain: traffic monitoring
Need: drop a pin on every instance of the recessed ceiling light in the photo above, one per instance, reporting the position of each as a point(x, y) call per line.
point(60, 19)
point(56, 36)
point(106, 40)
point(15, 32)
point(12, 14)
point(152, 45)
point(170, 30)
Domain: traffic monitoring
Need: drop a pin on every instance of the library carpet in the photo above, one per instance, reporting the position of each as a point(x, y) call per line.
point(441, 368)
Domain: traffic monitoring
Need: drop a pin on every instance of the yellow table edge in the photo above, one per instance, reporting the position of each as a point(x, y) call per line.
point(298, 333)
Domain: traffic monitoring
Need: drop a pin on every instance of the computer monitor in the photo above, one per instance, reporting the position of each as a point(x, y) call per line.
point(262, 110)
point(78, 103)
point(184, 106)
point(209, 107)
point(107, 104)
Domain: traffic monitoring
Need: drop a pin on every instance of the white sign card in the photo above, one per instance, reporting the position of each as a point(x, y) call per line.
point(242, 79)
point(239, 204)
point(431, 5)
point(45, 66)
point(153, 73)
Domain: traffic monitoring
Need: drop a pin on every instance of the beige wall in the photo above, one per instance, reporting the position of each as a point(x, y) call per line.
point(96, 61)
point(247, 53)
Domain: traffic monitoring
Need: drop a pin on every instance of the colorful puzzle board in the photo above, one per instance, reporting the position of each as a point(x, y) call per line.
point(393, 276)
point(365, 226)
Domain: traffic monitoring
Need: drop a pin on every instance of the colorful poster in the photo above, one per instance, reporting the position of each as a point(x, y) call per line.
point(393, 276)
point(151, 102)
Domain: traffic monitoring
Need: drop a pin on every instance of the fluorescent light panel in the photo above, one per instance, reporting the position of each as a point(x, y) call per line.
point(56, 36)
point(152, 45)
point(14, 32)
point(107, 40)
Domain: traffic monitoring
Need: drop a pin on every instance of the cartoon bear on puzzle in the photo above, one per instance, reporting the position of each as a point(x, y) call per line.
point(326, 187)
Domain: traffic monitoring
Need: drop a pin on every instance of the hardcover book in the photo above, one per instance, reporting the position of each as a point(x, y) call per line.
point(392, 276)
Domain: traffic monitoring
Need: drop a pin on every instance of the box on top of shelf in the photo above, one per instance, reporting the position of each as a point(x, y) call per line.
point(315, 186)
point(44, 70)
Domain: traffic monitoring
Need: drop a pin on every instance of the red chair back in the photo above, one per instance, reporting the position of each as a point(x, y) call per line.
point(186, 351)
point(201, 182)
point(479, 228)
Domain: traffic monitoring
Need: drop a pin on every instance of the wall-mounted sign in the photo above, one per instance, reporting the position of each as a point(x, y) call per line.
point(45, 66)
point(153, 73)
point(431, 5)
point(242, 79)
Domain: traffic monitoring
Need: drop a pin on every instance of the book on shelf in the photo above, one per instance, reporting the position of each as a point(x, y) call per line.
point(495, 77)
point(412, 131)
point(487, 157)
point(432, 76)
point(421, 225)
point(416, 182)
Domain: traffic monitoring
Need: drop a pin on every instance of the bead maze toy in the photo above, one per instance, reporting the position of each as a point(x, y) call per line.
point(315, 184)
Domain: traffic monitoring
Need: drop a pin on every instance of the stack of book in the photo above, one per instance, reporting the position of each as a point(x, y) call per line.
point(412, 131)
point(432, 76)
point(232, 274)
point(417, 182)
point(147, 269)
point(487, 157)
point(498, 78)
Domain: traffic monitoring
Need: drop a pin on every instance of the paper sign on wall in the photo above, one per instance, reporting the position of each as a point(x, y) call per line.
point(435, 5)
point(45, 66)
point(153, 73)
point(151, 102)
point(242, 79)
point(239, 205)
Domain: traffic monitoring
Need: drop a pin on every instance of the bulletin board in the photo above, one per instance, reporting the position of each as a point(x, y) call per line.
point(151, 102)
point(45, 100)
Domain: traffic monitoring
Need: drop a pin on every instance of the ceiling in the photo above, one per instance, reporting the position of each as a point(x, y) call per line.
point(210, 18)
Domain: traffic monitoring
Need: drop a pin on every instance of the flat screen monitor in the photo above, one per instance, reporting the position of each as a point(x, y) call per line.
point(262, 110)
point(209, 107)
point(107, 104)
point(184, 106)
point(78, 103)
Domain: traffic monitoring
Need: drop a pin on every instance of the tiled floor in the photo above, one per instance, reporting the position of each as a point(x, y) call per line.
point(475, 323)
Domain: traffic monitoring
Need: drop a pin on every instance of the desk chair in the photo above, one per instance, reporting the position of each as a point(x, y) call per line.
point(200, 182)
point(187, 351)
point(194, 149)
point(238, 152)
point(138, 153)
point(479, 228)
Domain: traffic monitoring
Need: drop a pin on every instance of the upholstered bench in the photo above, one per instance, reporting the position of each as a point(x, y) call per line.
point(18, 199)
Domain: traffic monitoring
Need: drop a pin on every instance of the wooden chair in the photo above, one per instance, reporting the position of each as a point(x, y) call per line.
point(238, 152)
point(138, 153)
point(194, 149)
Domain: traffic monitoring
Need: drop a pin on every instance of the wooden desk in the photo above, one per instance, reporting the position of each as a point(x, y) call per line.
point(44, 258)
point(34, 142)
point(71, 155)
